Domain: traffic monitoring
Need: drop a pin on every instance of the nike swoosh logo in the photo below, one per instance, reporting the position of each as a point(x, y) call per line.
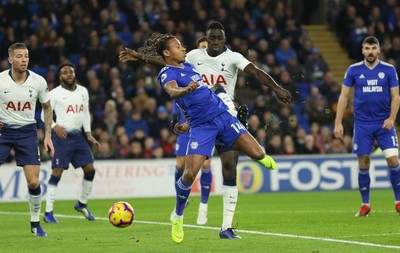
point(7, 91)
point(199, 63)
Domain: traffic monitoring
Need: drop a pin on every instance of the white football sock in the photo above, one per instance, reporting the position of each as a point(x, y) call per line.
point(230, 195)
point(35, 203)
point(50, 199)
point(86, 190)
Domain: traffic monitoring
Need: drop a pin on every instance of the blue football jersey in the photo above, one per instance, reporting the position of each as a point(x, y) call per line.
point(371, 90)
point(198, 106)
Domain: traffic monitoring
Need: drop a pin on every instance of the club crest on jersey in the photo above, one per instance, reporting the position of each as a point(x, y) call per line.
point(18, 106)
point(381, 75)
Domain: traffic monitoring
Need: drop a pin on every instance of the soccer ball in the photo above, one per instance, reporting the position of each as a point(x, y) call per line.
point(121, 214)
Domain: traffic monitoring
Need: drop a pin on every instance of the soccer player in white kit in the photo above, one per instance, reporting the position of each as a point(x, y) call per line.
point(219, 65)
point(70, 103)
point(20, 89)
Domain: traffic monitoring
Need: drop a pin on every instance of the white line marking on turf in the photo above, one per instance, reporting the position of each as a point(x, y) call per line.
point(238, 230)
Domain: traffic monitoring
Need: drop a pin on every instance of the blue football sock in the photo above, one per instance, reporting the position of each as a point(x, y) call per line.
point(395, 180)
point(205, 181)
point(178, 174)
point(182, 194)
point(364, 182)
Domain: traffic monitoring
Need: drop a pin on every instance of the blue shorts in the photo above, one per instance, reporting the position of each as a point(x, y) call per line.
point(181, 144)
point(25, 143)
point(366, 134)
point(75, 150)
point(223, 127)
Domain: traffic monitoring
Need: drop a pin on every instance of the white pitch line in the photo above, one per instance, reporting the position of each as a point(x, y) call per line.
point(238, 230)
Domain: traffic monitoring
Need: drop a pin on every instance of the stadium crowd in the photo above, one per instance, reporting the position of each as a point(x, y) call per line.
point(131, 112)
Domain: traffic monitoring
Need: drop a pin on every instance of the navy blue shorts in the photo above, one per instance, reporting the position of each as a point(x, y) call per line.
point(75, 150)
point(25, 143)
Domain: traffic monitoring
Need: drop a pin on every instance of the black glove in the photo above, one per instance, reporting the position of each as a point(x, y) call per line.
point(242, 114)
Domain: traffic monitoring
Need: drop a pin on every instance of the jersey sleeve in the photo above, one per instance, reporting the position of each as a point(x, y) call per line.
point(86, 118)
point(43, 90)
point(165, 77)
point(393, 78)
point(239, 60)
point(348, 77)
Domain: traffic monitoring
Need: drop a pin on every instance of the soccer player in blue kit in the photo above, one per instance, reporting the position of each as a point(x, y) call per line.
point(218, 65)
point(207, 117)
point(376, 103)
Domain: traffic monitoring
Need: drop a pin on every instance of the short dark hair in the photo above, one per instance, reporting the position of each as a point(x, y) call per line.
point(215, 25)
point(201, 39)
point(370, 40)
point(17, 45)
point(62, 65)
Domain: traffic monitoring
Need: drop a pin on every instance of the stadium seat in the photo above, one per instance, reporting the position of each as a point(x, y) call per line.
point(74, 58)
point(39, 70)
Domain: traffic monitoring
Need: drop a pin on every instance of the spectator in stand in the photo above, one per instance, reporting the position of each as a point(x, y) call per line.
point(149, 147)
point(136, 150)
point(309, 147)
point(122, 146)
point(274, 146)
point(136, 122)
point(284, 52)
point(336, 147)
point(357, 34)
point(288, 145)
point(320, 112)
point(316, 66)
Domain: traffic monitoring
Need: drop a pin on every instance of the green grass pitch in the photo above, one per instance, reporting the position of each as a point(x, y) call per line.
point(314, 222)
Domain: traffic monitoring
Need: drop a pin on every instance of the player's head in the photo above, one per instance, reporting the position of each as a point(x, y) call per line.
point(202, 42)
point(165, 45)
point(18, 57)
point(216, 39)
point(371, 49)
point(66, 73)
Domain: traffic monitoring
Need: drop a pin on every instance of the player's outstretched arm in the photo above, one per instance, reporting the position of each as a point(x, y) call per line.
point(129, 54)
point(282, 94)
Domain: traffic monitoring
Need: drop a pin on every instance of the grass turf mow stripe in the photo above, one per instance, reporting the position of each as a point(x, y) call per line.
point(239, 231)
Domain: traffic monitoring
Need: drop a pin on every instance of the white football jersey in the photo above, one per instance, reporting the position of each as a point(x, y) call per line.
point(71, 108)
point(18, 101)
point(221, 69)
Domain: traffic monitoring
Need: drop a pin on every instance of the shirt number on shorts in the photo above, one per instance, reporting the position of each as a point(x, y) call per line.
point(237, 126)
point(395, 141)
